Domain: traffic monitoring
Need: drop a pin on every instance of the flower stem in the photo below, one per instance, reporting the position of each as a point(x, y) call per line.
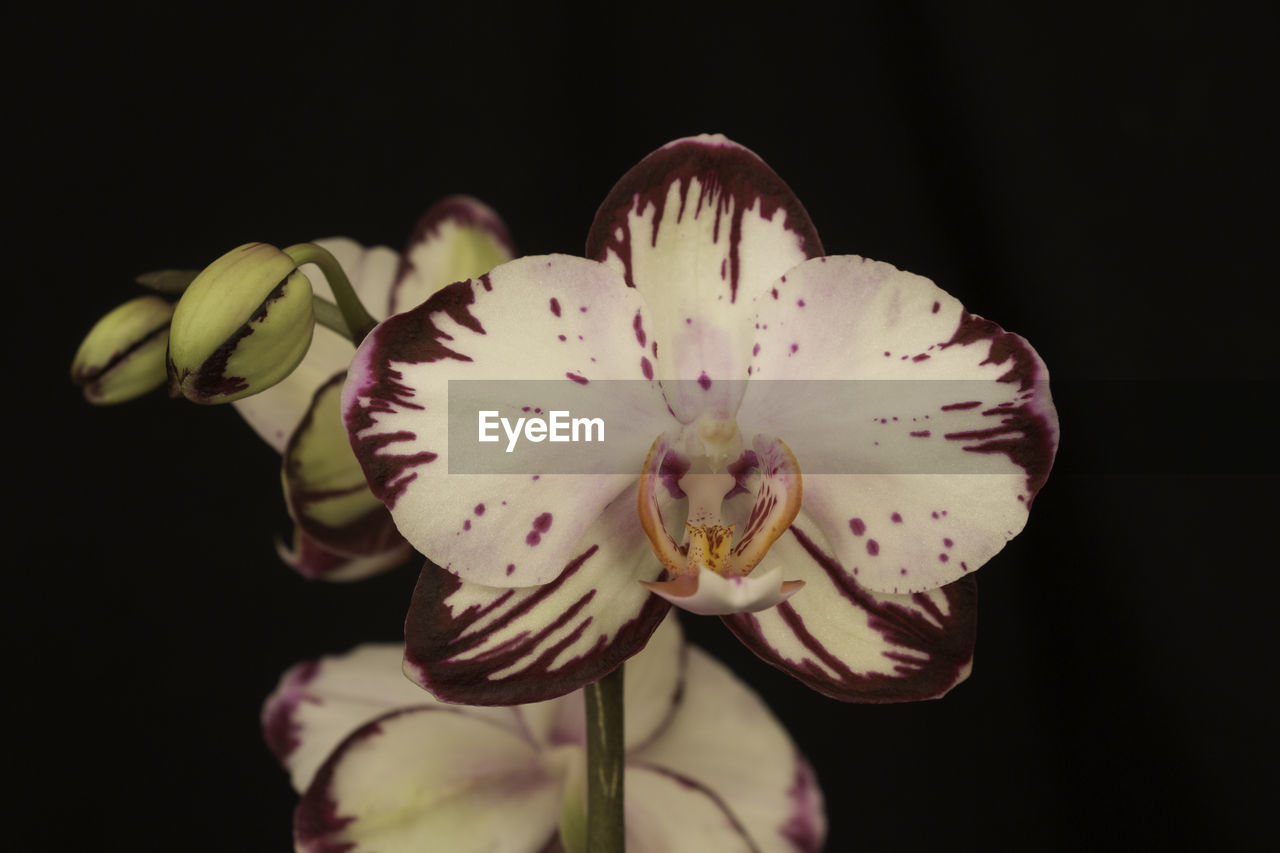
point(328, 315)
point(605, 756)
point(359, 323)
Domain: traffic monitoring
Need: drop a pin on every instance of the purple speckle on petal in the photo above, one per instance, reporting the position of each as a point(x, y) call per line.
point(479, 509)
point(902, 571)
point(924, 433)
point(555, 306)
point(873, 547)
point(755, 350)
point(511, 567)
point(646, 368)
point(583, 309)
point(943, 558)
point(795, 347)
point(921, 357)
point(800, 302)
point(466, 525)
point(886, 353)
point(947, 542)
point(775, 293)
point(704, 381)
point(936, 306)
point(935, 515)
point(533, 538)
point(581, 380)
point(857, 526)
point(896, 518)
point(562, 337)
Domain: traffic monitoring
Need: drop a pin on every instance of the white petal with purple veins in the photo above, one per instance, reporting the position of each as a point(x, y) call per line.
point(855, 645)
point(486, 645)
point(547, 318)
point(929, 461)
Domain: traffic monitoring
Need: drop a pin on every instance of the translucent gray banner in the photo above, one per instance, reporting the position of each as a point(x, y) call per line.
point(575, 426)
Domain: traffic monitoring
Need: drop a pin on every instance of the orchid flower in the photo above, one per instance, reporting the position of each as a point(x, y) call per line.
point(342, 532)
point(382, 766)
point(836, 534)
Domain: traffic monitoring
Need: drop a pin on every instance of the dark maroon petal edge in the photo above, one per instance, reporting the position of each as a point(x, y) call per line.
point(949, 648)
point(721, 167)
point(434, 638)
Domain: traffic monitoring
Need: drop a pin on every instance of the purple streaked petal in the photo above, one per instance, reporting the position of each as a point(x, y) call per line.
point(456, 239)
point(501, 326)
point(950, 433)
point(275, 413)
point(325, 488)
point(701, 227)
point(855, 645)
point(430, 778)
point(319, 702)
point(744, 760)
point(483, 645)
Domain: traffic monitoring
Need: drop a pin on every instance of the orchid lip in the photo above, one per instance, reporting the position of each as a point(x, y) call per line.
point(708, 551)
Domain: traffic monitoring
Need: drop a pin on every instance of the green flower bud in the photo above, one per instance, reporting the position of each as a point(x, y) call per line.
point(122, 357)
point(240, 327)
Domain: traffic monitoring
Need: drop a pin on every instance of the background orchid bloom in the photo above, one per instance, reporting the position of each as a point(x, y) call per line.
point(705, 286)
point(382, 766)
point(341, 531)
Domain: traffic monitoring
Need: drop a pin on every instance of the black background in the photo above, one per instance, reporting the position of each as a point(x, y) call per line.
point(1100, 182)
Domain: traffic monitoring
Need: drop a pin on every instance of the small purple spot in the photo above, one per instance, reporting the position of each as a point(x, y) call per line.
point(533, 538)
point(1022, 497)
point(904, 358)
point(581, 380)
point(884, 420)
point(535, 476)
point(688, 321)
point(936, 306)
point(542, 523)
point(466, 525)
point(561, 337)
point(947, 542)
point(943, 558)
point(800, 302)
point(921, 357)
point(873, 547)
point(924, 433)
point(857, 526)
point(638, 326)
point(511, 567)
point(775, 293)
point(479, 509)
point(646, 368)
point(537, 411)
point(896, 518)
point(524, 408)
point(555, 306)
point(964, 566)
point(944, 512)
point(748, 370)
point(935, 515)
point(795, 347)
point(902, 571)
point(886, 353)
point(755, 350)
point(722, 268)
point(855, 570)
point(704, 381)
point(583, 309)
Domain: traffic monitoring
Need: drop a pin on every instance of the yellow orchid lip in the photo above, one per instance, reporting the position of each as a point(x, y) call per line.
point(709, 547)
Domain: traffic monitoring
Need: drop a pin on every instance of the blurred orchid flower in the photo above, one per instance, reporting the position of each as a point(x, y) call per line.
point(341, 531)
point(383, 766)
point(706, 289)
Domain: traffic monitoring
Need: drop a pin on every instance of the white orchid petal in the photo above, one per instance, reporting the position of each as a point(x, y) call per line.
point(667, 811)
point(456, 239)
point(855, 645)
point(700, 227)
point(924, 467)
point(485, 645)
point(547, 318)
point(430, 778)
point(725, 740)
point(319, 702)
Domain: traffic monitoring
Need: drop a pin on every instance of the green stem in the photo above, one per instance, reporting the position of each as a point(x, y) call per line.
point(328, 315)
point(605, 757)
point(358, 321)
